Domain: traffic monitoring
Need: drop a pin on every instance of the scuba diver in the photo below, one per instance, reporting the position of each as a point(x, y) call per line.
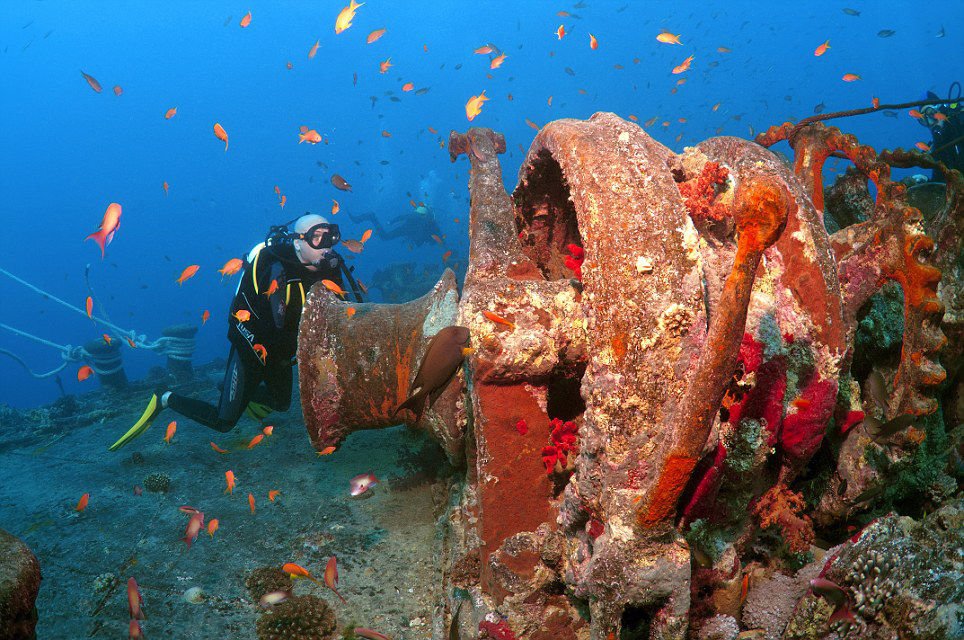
point(262, 327)
point(417, 227)
point(946, 123)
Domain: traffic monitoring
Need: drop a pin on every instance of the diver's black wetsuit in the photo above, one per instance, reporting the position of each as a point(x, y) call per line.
point(416, 228)
point(273, 324)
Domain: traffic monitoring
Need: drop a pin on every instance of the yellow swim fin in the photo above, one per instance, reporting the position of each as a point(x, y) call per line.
point(153, 408)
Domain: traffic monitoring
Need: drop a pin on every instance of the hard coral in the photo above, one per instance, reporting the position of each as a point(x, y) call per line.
point(298, 618)
point(267, 579)
point(698, 195)
point(157, 483)
point(782, 507)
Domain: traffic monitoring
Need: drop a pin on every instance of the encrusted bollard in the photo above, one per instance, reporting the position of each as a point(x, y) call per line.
point(19, 585)
point(180, 350)
point(107, 363)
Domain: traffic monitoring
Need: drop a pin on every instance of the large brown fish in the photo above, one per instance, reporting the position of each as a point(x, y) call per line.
point(442, 359)
point(340, 183)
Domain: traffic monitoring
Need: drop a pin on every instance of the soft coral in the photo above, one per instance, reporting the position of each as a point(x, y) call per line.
point(782, 507)
point(699, 194)
point(559, 455)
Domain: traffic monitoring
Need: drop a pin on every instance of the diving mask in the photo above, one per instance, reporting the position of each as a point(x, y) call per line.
point(321, 236)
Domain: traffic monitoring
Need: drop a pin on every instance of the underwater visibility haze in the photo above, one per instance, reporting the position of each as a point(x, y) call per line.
point(354, 321)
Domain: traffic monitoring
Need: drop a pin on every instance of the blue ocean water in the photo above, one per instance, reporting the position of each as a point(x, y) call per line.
point(67, 151)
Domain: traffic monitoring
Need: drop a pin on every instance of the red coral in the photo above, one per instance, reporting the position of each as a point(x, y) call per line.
point(751, 353)
point(559, 455)
point(699, 194)
point(522, 427)
point(703, 501)
point(574, 260)
point(765, 400)
point(782, 508)
point(803, 431)
point(853, 418)
point(496, 630)
point(596, 528)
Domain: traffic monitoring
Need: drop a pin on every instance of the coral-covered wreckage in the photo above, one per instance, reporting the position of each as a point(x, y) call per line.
point(668, 424)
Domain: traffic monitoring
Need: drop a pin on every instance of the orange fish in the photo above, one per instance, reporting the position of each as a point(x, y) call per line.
point(231, 267)
point(314, 49)
point(384, 66)
point(274, 493)
point(165, 186)
point(289, 66)
point(375, 35)
point(850, 77)
point(334, 288)
point(744, 587)
point(268, 430)
point(277, 190)
point(474, 105)
point(484, 50)
point(212, 526)
point(251, 502)
point(497, 61)
point(668, 38)
point(282, 202)
point(549, 101)
point(131, 343)
point(309, 135)
point(408, 86)
point(940, 117)
point(335, 207)
point(217, 448)
point(446, 255)
point(117, 90)
point(221, 134)
point(331, 577)
point(822, 49)
point(724, 50)
point(92, 81)
point(593, 43)
point(365, 236)
point(345, 16)
point(875, 101)
point(914, 113)
point(205, 317)
point(188, 273)
point(261, 351)
point(327, 451)
point(229, 477)
point(170, 113)
point(683, 66)
point(350, 311)
point(272, 288)
point(560, 32)
point(108, 227)
point(134, 631)
point(171, 428)
point(494, 317)
point(296, 571)
point(386, 134)
point(106, 339)
point(82, 503)
point(353, 245)
point(436, 238)
point(242, 315)
point(255, 441)
point(532, 124)
point(83, 373)
point(194, 526)
point(923, 146)
point(90, 306)
point(716, 106)
point(134, 600)
point(246, 20)
point(432, 131)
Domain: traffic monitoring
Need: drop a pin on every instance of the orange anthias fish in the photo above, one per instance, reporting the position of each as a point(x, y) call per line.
point(297, 571)
point(335, 207)
point(118, 90)
point(822, 49)
point(497, 61)
point(231, 267)
point(496, 318)
point(561, 32)
point(314, 49)
point(90, 306)
point(261, 351)
point(593, 43)
point(212, 526)
point(83, 373)
point(408, 86)
point(217, 448)
point(345, 16)
point(668, 38)
point(188, 273)
point(274, 493)
point(272, 288)
point(327, 451)
point(474, 106)
point(205, 317)
point(353, 245)
point(82, 503)
point(92, 81)
point(165, 186)
point(108, 227)
point(923, 146)
point(229, 477)
point(255, 441)
point(194, 526)
point(107, 339)
point(484, 50)
point(384, 66)
point(134, 631)
point(268, 431)
point(914, 113)
point(246, 20)
point(134, 600)
point(375, 35)
point(309, 135)
point(251, 502)
point(171, 428)
point(683, 66)
point(221, 134)
point(242, 315)
point(850, 77)
point(365, 236)
point(170, 113)
point(333, 287)
point(331, 577)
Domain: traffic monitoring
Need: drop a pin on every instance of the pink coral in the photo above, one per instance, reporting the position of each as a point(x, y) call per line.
point(803, 430)
point(559, 455)
point(783, 508)
point(496, 630)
